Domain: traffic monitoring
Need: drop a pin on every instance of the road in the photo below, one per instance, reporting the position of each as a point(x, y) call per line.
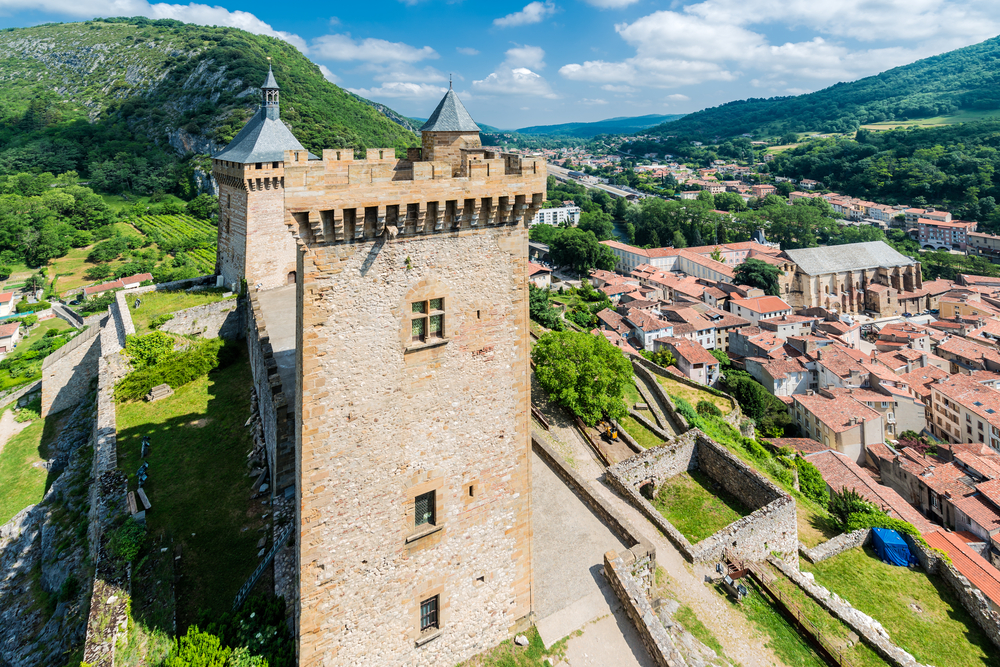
point(563, 175)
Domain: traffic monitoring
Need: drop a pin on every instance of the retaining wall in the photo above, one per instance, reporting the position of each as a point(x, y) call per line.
point(221, 319)
point(836, 545)
point(277, 420)
point(10, 396)
point(68, 372)
point(734, 416)
point(656, 430)
point(634, 599)
point(771, 527)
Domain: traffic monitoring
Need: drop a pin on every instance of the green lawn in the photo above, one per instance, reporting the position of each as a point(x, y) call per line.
point(833, 629)
point(23, 482)
point(786, 642)
point(154, 304)
point(37, 333)
point(692, 395)
point(508, 654)
point(632, 395)
point(962, 116)
point(920, 612)
point(815, 524)
point(697, 510)
point(198, 486)
point(640, 433)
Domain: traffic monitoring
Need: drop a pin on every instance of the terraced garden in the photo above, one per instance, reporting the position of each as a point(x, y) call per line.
point(182, 232)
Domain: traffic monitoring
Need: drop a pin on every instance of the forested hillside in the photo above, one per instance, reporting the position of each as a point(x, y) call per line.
point(956, 168)
point(609, 126)
point(968, 78)
point(127, 103)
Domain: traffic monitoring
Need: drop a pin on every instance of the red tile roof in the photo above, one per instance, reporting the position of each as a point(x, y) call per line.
point(6, 296)
point(836, 413)
point(8, 330)
point(839, 472)
point(762, 304)
point(537, 268)
point(979, 510)
point(971, 565)
point(690, 350)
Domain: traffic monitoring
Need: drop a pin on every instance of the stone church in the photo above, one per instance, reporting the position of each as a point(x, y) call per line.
point(410, 377)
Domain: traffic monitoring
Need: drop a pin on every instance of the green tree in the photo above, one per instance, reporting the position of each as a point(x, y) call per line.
point(541, 310)
point(730, 201)
point(679, 240)
point(198, 649)
point(598, 222)
point(662, 358)
point(789, 138)
point(760, 274)
point(204, 206)
point(580, 251)
point(584, 373)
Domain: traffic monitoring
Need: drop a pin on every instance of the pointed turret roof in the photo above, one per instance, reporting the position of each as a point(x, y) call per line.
point(450, 116)
point(270, 82)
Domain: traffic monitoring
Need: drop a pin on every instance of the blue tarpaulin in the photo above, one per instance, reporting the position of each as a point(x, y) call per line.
point(891, 548)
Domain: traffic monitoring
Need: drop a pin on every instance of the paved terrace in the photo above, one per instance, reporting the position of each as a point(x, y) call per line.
point(278, 306)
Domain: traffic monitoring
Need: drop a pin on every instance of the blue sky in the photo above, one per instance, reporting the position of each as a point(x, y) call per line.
point(553, 61)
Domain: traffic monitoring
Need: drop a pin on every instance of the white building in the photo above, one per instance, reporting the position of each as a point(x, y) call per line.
point(556, 216)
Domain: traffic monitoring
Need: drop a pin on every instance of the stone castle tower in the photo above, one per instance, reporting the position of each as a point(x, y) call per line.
point(253, 244)
point(412, 427)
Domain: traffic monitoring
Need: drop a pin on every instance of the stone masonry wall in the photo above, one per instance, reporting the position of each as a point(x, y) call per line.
point(68, 372)
point(836, 545)
point(384, 420)
point(222, 319)
point(653, 635)
point(270, 252)
point(772, 526)
point(276, 419)
point(231, 253)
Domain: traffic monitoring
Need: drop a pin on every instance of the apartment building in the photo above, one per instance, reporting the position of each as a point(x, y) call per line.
point(839, 422)
point(966, 408)
point(557, 216)
point(942, 235)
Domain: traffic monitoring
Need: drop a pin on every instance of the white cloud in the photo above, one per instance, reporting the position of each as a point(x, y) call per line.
point(334, 21)
point(397, 89)
point(593, 102)
point(534, 12)
point(619, 89)
point(190, 13)
point(610, 4)
point(678, 98)
point(526, 56)
point(467, 51)
point(514, 81)
point(344, 47)
point(328, 75)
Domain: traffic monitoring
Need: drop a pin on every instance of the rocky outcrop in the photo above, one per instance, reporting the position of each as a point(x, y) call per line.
point(43, 558)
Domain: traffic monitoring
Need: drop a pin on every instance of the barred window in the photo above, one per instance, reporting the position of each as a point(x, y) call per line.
point(429, 614)
point(427, 320)
point(423, 510)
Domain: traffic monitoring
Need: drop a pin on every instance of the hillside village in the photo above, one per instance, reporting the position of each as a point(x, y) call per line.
point(384, 425)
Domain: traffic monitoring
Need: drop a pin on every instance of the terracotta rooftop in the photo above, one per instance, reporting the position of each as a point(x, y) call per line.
point(920, 379)
point(969, 393)
point(762, 304)
point(537, 268)
point(690, 350)
point(980, 510)
point(804, 445)
point(840, 472)
point(836, 413)
point(8, 330)
point(971, 565)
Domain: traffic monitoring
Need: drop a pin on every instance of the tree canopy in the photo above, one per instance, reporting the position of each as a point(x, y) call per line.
point(759, 274)
point(584, 373)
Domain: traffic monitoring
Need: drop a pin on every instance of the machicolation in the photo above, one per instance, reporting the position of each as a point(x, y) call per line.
point(770, 527)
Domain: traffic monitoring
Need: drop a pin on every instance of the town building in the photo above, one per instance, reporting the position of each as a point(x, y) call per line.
point(10, 336)
point(6, 303)
point(410, 380)
point(966, 408)
point(838, 421)
point(942, 235)
point(570, 215)
point(759, 308)
point(540, 276)
point(693, 360)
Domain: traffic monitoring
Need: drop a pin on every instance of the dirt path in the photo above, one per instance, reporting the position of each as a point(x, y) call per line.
point(740, 640)
point(9, 428)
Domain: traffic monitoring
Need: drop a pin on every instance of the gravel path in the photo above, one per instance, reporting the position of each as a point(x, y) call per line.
point(740, 640)
point(9, 428)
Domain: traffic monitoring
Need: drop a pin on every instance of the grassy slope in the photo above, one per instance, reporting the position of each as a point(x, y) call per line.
point(692, 395)
point(640, 433)
point(694, 507)
point(166, 76)
point(198, 485)
point(941, 633)
point(958, 79)
point(154, 304)
point(24, 483)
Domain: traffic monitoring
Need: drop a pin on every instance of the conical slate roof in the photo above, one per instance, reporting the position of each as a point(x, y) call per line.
point(262, 139)
point(450, 116)
point(270, 83)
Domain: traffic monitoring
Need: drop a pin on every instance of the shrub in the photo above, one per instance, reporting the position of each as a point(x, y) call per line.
point(177, 369)
point(811, 482)
point(25, 307)
point(30, 412)
point(198, 649)
point(127, 539)
point(259, 628)
point(148, 350)
point(708, 408)
point(847, 502)
point(99, 272)
point(5, 272)
point(160, 320)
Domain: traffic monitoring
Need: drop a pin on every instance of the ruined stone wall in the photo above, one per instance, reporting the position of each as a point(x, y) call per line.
point(653, 635)
point(68, 372)
point(222, 319)
point(272, 404)
point(836, 545)
point(772, 526)
point(383, 420)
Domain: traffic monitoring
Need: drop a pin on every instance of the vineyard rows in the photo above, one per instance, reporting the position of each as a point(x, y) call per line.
point(178, 228)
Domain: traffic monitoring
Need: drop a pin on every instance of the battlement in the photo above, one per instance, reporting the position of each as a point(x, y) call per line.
point(339, 199)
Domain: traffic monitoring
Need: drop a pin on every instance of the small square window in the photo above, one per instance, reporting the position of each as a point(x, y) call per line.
point(419, 307)
point(437, 304)
point(429, 615)
point(418, 329)
point(423, 509)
